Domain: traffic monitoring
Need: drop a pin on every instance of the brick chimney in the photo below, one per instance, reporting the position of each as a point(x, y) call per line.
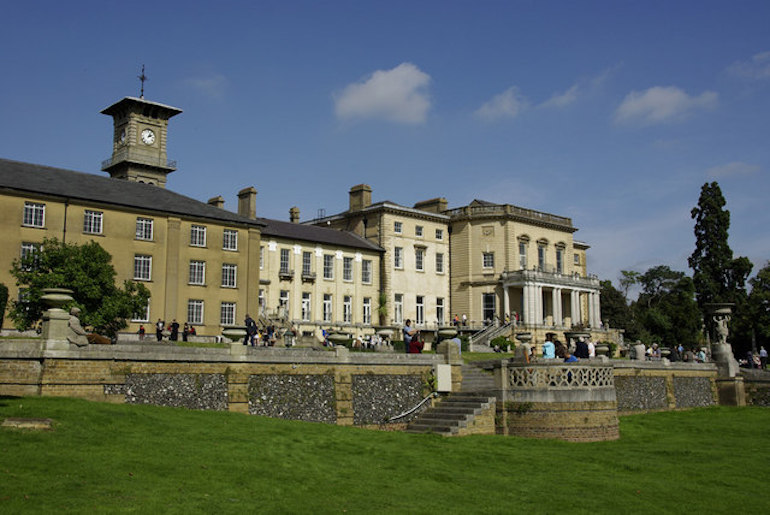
point(294, 215)
point(434, 205)
point(247, 202)
point(217, 201)
point(360, 197)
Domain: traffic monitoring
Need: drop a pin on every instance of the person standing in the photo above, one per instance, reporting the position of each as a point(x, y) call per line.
point(251, 330)
point(549, 349)
point(762, 358)
point(141, 333)
point(159, 326)
point(174, 328)
point(581, 349)
point(409, 335)
point(185, 331)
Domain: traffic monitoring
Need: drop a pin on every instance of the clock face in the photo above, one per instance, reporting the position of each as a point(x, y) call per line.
point(148, 137)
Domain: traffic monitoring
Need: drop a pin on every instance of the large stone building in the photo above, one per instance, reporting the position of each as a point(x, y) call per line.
point(415, 268)
point(200, 263)
point(375, 264)
point(508, 261)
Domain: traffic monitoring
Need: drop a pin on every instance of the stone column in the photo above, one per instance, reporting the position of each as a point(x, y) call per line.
point(556, 301)
point(538, 305)
point(574, 306)
point(506, 302)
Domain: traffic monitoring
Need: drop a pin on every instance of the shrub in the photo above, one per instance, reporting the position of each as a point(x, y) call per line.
point(502, 341)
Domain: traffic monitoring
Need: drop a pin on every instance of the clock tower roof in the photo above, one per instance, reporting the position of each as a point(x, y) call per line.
point(159, 110)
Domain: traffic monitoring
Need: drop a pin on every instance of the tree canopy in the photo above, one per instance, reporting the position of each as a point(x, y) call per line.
point(86, 270)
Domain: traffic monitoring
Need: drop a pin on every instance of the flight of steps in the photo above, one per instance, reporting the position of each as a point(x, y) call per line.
point(456, 413)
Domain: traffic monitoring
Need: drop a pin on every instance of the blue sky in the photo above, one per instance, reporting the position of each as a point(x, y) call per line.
point(611, 113)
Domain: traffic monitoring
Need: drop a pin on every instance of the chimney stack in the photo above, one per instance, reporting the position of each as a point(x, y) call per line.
point(217, 201)
point(247, 202)
point(360, 197)
point(434, 205)
point(294, 215)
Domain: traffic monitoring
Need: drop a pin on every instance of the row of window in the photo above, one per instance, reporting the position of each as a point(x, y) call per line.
point(93, 223)
point(398, 228)
point(328, 266)
point(197, 272)
point(419, 259)
point(195, 312)
point(488, 258)
point(419, 309)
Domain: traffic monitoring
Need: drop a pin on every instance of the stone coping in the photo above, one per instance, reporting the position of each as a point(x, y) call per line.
point(615, 363)
point(18, 349)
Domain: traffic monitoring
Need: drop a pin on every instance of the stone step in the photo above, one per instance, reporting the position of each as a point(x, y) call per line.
point(427, 428)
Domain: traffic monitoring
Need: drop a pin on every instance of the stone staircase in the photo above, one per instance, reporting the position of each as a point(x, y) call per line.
point(470, 411)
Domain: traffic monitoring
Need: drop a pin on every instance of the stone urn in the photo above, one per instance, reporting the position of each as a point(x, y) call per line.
point(602, 349)
point(55, 298)
point(524, 337)
point(236, 333)
point(337, 338)
point(445, 333)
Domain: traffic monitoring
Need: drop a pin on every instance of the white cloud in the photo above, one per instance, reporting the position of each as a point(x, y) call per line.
point(563, 99)
point(661, 104)
point(213, 86)
point(397, 95)
point(758, 67)
point(732, 169)
point(508, 104)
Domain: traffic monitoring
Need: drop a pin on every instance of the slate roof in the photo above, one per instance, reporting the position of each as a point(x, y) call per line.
point(56, 182)
point(313, 233)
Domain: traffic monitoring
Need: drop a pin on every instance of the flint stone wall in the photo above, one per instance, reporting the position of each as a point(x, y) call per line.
point(378, 398)
point(757, 386)
point(191, 391)
point(641, 393)
point(692, 392)
point(658, 385)
point(295, 397)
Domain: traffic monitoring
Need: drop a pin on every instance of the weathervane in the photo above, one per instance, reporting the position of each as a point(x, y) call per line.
point(142, 78)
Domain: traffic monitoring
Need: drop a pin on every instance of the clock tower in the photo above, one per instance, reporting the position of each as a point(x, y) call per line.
point(139, 141)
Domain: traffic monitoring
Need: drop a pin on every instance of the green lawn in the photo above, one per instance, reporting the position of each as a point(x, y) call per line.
point(120, 458)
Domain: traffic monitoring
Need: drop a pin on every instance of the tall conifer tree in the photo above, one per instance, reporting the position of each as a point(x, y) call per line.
point(716, 275)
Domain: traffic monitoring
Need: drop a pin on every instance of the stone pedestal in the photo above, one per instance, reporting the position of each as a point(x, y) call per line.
point(55, 320)
point(731, 391)
point(638, 352)
point(722, 354)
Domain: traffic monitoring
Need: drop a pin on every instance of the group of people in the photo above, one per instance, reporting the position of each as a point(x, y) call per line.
point(256, 337)
point(414, 342)
point(554, 349)
point(173, 329)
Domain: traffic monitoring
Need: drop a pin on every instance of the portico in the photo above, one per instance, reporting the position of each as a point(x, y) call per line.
point(551, 299)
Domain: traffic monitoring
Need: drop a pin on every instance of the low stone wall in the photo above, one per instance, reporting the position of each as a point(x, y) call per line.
point(658, 385)
point(336, 387)
point(757, 385)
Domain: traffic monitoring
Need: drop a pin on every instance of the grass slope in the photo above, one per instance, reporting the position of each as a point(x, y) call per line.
point(121, 458)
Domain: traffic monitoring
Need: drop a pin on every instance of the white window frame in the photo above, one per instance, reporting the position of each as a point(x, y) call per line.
point(197, 274)
point(398, 227)
point(328, 266)
point(559, 261)
point(284, 261)
point(347, 309)
point(440, 311)
point(439, 234)
point(93, 221)
point(419, 259)
point(307, 263)
point(419, 310)
point(195, 311)
point(327, 307)
point(144, 228)
point(28, 249)
point(367, 311)
point(142, 267)
point(522, 255)
point(230, 239)
point(541, 257)
point(229, 275)
point(439, 262)
point(261, 257)
point(144, 316)
point(227, 313)
point(576, 259)
point(366, 271)
point(34, 215)
point(398, 258)
point(418, 231)
point(398, 308)
point(197, 235)
point(306, 306)
point(347, 269)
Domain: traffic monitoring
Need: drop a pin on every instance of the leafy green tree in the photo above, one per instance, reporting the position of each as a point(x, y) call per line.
point(716, 275)
point(758, 304)
point(86, 270)
point(628, 278)
point(666, 310)
point(615, 309)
